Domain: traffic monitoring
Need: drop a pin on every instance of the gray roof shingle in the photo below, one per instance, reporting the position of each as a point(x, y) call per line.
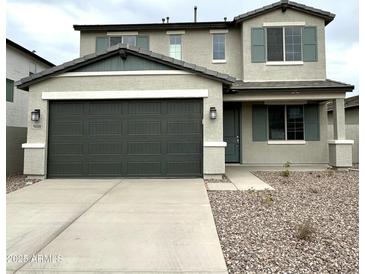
point(24, 83)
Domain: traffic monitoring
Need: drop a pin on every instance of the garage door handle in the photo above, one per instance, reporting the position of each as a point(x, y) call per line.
point(238, 139)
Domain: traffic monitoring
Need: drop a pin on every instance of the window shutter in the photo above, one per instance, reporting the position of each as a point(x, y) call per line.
point(310, 44)
point(143, 42)
point(258, 45)
point(102, 43)
point(259, 123)
point(311, 122)
point(9, 90)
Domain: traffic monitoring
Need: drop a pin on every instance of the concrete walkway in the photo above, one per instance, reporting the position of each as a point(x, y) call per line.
point(243, 179)
point(118, 226)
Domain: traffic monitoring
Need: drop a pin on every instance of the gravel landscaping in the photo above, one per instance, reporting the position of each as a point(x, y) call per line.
point(308, 224)
point(17, 182)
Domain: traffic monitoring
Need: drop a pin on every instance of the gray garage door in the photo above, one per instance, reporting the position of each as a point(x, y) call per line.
point(125, 138)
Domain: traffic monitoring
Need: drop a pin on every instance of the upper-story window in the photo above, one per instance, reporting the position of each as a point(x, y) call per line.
point(175, 46)
point(219, 47)
point(284, 44)
point(9, 90)
point(125, 39)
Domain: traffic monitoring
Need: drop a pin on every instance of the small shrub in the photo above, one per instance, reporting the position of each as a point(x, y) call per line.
point(330, 173)
point(267, 199)
point(287, 164)
point(285, 173)
point(305, 231)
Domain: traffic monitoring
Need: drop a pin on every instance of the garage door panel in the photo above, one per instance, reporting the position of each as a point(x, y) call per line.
point(144, 168)
point(139, 127)
point(102, 168)
point(125, 138)
point(104, 127)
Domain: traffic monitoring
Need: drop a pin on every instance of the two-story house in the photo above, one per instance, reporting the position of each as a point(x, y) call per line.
point(183, 99)
point(20, 63)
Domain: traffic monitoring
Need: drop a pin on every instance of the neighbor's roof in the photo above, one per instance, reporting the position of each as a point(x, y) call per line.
point(26, 51)
point(290, 85)
point(128, 49)
point(283, 5)
point(350, 102)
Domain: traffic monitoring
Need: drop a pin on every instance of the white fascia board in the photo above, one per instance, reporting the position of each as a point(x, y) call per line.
point(213, 31)
point(292, 96)
point(33, 145)
point(297, 102)
point(116, 33)
point(176, 32)
point(282, 24)
point(341, 142)
point(125, 94)
point(215, 144)
point(123, 73)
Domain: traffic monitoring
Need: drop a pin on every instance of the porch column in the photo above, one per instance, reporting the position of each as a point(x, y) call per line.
point(340, 149)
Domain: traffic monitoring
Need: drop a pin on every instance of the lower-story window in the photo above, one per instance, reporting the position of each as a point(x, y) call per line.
point(286, 122)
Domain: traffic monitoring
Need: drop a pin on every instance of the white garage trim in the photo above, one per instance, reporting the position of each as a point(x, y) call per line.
point(215, 144)
point(125, 94)
point(123, 73)
point(33, 145)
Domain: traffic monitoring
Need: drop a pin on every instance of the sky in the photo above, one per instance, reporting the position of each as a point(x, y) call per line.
point(47, 25)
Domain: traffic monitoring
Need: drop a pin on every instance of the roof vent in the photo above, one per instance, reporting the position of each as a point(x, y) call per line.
point(163, 20)
point(225, 19)
point(167, 19)
point(195, 13)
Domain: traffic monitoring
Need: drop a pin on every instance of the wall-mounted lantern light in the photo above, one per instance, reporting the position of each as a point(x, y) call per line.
point(213, 113)
point(35, 115)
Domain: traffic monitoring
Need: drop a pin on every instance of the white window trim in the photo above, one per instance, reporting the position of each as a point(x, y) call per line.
point(175, 32)
point(218, 31)
point(286, 142)
point(283, 24)
point(219, 61)
point(181, 45)
point(125, 94)
point(286, 125)
point(121, 33)
point(284, 62)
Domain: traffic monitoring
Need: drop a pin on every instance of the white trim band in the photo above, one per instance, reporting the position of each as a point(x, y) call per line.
point(175, 32)
point(123, 73)
point(218, 31)
point(125, 94)
point(287, 142)
point(33, 145)
point(215, 144)
point(115, 33)
point(282, 24)
point(219, 61)
point(284, 63)
point(341, 142)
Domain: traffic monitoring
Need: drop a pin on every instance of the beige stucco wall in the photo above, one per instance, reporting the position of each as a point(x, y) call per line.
point(262, 71)
point(261, 153)
point(352, 130)
point(196, 48)
point(35, 159)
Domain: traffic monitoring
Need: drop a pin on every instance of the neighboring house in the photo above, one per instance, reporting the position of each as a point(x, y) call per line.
point(184, 99)
point(352, 124)
point(20, 63)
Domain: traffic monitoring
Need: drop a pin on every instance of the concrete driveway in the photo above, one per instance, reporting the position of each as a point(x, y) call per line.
point(129, 225)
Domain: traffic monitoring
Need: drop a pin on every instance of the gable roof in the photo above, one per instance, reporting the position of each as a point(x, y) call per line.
point(28, 52)
point(124, 49)
point(283, 5)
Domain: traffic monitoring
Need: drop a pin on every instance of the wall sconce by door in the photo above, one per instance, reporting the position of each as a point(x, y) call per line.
point(35, 115)
point(213, 113)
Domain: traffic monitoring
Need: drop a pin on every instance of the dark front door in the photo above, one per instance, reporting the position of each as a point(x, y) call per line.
point(125, 138)
point(231, 131)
